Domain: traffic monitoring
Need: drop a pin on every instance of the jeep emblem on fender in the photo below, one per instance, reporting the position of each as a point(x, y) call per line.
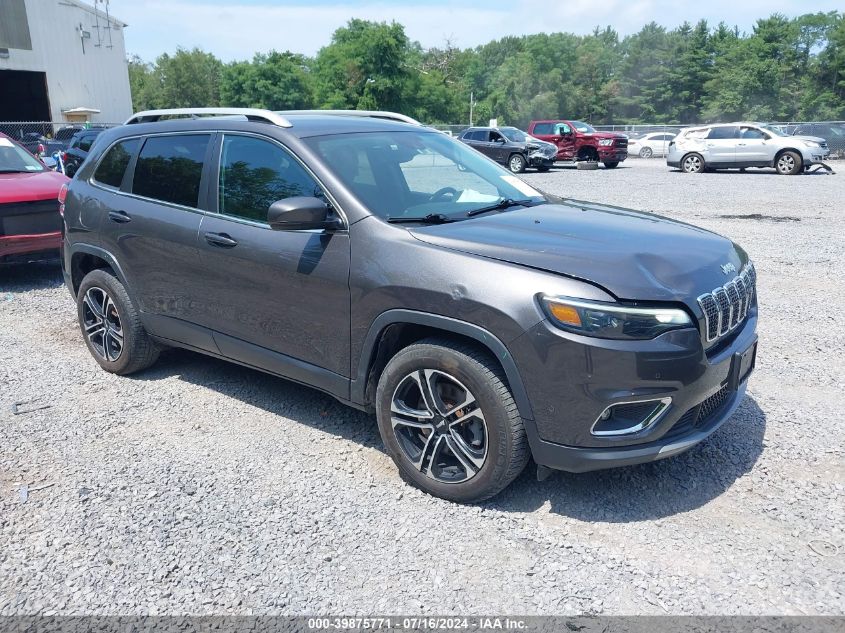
point(728, 268)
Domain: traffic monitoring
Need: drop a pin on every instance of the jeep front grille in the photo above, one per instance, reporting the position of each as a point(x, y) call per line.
point(725, 308)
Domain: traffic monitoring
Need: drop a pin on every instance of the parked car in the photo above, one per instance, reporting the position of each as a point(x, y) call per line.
point(651, 144)
point(578, 141)
point(833, 133)
point(29, 208)
point(403, 273)
point(742, 145)
point(78, 148)
point(511, 146)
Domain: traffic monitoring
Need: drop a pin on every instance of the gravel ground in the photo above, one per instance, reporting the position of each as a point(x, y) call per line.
point(201, 487)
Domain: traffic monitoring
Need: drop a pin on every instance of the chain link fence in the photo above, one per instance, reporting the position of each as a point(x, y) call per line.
point(46, 137)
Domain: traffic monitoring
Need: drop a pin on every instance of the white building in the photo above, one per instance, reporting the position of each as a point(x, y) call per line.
point(62, 60)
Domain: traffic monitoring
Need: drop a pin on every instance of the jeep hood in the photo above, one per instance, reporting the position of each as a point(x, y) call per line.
point(634, 256)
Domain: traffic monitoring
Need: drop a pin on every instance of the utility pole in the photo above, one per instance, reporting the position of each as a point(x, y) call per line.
point(471, 104)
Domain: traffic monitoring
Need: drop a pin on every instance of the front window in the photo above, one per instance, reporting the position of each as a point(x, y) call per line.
point(772, 130)
point(408, 176)
point(15, 159)
point(583, 127)
point(514, 135)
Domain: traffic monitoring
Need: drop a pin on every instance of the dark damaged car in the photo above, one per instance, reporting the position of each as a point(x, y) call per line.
point(482, 321)
point(511, 146)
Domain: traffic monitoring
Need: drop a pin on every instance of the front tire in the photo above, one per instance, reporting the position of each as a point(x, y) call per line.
point(692, 164)
point(516, 163)
point(646, 152)
point(111, 326)
point(789, 163)
point(449, 422)
point(612, 164)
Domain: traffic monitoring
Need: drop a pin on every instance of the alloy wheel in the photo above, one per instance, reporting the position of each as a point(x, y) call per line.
point(692, 164)
point(517, 163)
point(439, 426)
point(786, 164)
point(101, 322)
point(646, 152)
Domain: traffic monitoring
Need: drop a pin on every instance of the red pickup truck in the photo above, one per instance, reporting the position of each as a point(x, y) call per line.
point(576, 140)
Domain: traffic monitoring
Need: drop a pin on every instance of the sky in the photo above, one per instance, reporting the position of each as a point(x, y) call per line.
point(234, 29)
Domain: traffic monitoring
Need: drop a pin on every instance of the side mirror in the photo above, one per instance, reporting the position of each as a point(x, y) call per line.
point(300, 214)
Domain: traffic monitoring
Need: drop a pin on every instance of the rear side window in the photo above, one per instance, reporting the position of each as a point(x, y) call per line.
point(255, 173)
point(544, 128)
point(85, 142)
point(170, 168)
point(478, 135)
point(724, 132)
point(111, 169)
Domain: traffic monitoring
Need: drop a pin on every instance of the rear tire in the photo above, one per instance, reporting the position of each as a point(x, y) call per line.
point(111, 326)
point(692, 164)
point(646, 152)
point(612, 164)
point(789, 163)
point(477, 448)
point(516, 163)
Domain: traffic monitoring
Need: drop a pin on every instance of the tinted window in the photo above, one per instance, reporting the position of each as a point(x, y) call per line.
point(85, 142)
point(478, 135)
point(170, 168)
point(65, 133)
point(724, 132)
point(112, 167)
point(254, 174)
point(544, 128)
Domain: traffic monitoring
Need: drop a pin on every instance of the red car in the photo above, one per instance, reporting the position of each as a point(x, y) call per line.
point(30, 221)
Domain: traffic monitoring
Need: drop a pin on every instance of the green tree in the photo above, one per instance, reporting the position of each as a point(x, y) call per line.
point(276, 81)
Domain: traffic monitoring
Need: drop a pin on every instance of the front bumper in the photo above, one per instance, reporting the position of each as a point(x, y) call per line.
point(571, 379)
point(612, 154)
point(814, 155)
point(23, 244)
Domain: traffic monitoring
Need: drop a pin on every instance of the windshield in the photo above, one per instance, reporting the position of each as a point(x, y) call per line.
point(416, 174)
point(583, 127)
point(14, 158)
point(772, 130)
point(514, 135)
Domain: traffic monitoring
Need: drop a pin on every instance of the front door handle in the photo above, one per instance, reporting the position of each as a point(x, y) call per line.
point(220, 239)
point(121, 217)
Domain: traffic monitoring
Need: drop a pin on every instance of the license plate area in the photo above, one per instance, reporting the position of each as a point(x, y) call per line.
point(742, 364)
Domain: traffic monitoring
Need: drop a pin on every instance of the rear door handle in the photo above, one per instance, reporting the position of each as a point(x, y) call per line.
point(119, 216)
point(220, 239)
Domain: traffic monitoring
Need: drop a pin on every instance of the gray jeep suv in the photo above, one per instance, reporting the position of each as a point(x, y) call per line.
point(405, 274)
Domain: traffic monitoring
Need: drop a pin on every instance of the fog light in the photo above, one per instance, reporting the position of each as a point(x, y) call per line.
point(624, 418)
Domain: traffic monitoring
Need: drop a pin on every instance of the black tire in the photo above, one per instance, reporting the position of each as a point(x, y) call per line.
point(789, 163)
point(612, 164)
point(543, 168)
point(646, 152)
point(692, 164)
point(445, 366)
point(517, 163)
point(101, 293)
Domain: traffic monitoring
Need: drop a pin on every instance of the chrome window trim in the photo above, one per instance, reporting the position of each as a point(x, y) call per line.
point(659, 411)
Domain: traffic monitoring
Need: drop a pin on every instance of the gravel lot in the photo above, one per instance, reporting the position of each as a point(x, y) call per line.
point(201, 487)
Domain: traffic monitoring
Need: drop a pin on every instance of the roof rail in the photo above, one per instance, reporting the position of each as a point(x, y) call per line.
point(374, 114)
point(254, 114)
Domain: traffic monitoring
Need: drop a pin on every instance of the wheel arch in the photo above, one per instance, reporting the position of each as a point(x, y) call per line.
point(783, 150)
point(588, 152)
point(85, 257)
point(395, 329)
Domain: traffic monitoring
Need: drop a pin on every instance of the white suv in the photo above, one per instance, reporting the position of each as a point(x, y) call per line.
point(741, 145)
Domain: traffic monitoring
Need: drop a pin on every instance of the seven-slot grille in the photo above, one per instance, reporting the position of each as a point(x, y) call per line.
point(726, 307)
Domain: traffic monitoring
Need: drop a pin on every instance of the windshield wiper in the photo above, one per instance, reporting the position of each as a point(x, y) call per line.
point(504, 203)
point(15, 171)
point(431, 218)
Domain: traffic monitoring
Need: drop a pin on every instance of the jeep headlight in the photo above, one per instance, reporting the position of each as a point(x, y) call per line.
point(612, 320)
point(812, 144)
point(604, 142)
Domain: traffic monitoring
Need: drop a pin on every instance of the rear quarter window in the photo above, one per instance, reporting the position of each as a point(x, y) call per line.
point(543, 128)
point(169, 168)
point(112, 168)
